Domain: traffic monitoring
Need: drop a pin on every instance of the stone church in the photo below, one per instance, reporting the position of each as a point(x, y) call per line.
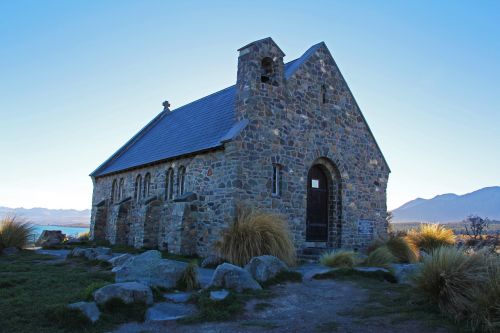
point(286, 138)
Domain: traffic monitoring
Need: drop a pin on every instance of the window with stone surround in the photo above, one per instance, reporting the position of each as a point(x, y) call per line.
point(121, 189)
point(181, 180)
point(276, 181)
point(147, 185)
point(137, 190)
point(114, 189)
point(169, 185)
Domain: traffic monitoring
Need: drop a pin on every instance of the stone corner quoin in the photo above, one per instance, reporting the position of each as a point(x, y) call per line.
point(299, 146)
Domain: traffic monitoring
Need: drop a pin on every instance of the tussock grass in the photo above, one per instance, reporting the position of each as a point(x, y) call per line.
point(380, 257)
point(338, 258)
point(189, 278)
point(404, 250)
point(255, 233)
point(431, 236)
point(84, 236)
point(14, 232)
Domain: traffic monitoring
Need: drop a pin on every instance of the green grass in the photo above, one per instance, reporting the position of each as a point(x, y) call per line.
point(283, 277)
point(34, 293)
point(348, 274)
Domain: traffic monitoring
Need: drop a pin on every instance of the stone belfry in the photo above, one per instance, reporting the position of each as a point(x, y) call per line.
point(260, 79)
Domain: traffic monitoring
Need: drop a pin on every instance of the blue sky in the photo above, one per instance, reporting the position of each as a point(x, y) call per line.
point(79, 78)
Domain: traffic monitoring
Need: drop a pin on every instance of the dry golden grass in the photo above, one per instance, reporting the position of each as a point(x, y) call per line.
point(84, 235)
point(256, 233)
point(431, 236)
point(189, 279)
point(14, 232)
point(339, 258)
point(380, 257)
point(404, 250)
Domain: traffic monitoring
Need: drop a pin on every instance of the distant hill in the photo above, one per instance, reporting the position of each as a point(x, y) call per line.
point(44, 216)
point(451, 207)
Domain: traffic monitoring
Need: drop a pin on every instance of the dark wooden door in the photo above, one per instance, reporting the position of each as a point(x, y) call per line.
point(317, 205)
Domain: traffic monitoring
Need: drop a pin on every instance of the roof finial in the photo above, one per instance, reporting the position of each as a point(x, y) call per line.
point(166, 106)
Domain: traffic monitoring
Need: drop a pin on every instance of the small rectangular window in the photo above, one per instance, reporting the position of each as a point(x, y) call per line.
point(315, 183)
point(276, 180)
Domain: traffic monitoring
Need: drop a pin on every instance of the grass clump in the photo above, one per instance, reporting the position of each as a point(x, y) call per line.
point(210, 310)
point(67, 318)
point(255, 233)
point(189, 278)
point(431, 236)
point(282, 277)
point(380, 257)
point(14, 232)
point(339, 258)
point(130, 312)
point(404, 250)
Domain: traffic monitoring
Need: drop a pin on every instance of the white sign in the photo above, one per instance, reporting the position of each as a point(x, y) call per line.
point(315, 183)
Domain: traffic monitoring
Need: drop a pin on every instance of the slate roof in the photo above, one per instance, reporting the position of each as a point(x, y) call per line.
point(195, 127)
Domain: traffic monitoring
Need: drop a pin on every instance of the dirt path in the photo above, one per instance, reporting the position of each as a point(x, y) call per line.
point(311, 306)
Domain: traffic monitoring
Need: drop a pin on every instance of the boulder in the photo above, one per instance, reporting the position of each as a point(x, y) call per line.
point(179, 297)
point(8, 251)
point(103, 257)
point(128, 292)
point(166, 311)
point(148, 268)
point(89, 309)
point(404, 272)
point(264, 268)
point(219, 295)
point(50, 238)
point(233, 277)
point(93, 253)
point(211, 261)
point(77, 252)
point(119, 259)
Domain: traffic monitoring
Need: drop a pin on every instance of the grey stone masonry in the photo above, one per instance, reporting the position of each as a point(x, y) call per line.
point(308, 119)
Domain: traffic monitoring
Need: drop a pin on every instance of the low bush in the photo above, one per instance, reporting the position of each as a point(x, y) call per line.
point(381, 257)
point(404, 250)
point(431, 236)
point(14, 232)
point(255, 233)
point(189, 278)
point(338, 258)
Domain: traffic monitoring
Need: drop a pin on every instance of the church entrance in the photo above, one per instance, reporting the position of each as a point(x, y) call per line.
point(317, 205)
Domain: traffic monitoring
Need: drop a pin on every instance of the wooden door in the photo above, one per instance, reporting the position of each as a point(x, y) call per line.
point(317, 205)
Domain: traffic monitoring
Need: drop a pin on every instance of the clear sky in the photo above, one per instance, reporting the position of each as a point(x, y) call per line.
point(79, 78)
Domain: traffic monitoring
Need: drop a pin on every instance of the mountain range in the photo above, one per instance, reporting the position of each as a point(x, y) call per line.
point(45, 216)
point(451, 207)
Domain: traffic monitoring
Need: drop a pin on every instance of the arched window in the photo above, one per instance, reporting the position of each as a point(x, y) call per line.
point(121, 189)
point(114, 189)
point(137, 190)
point(181, 180)
point(267, 70)
point(323, 94)
point(147, 185)
point(169, 185)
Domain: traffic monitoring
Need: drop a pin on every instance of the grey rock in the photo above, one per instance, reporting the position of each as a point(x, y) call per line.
point(8, 251)
point(266, 267)
point(233, 277)
point(371, 269)
point(211, 261)
point(148, 268)
point(404, 273)
point(89, 309)
point(119, 259)
point(166, 311)
point(77, 252)
point(219, 295)
point(181, 297)
point(128, 292)
point(103, 257)
point(50, 238)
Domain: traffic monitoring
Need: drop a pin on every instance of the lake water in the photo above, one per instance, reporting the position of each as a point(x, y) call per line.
point(69, 231)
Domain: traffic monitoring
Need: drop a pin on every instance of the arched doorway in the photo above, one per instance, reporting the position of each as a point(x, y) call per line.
point(317, 205)
point(100, 224)
point(152, 225)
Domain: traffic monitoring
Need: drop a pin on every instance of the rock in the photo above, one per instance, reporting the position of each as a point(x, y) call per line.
point(93, 253)
point(120, 259)
point(103, 257)
point(89, 309)
point(50, 238)
point(77, 252)
point(148, 268)
point(233, 277)
point(371, 269)
point(181, 297)
point(211, 261)
point(8, 251)
point(128, 292)
point(219, 295)
point(168, 311)
point(264, 268)
point(405, 272)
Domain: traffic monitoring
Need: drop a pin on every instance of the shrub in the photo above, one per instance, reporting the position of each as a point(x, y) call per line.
point(381, 257)
point(256, 233)
point(431, 236)
point(452, 279)
point(403, 249)
point(189, 278)
point(339, 258)
point(14, 232)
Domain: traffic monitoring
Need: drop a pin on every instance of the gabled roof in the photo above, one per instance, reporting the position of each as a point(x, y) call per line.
point(195, 127)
